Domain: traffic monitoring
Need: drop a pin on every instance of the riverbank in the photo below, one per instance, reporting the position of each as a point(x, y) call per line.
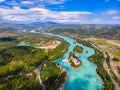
point(30, 58)
point(83, 72)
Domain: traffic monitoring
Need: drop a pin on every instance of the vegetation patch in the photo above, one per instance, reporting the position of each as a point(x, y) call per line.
point(6, 39)
point(51, 74)
point(98, 59)
point(74, 62)
point(16, 63)
point(78, 49)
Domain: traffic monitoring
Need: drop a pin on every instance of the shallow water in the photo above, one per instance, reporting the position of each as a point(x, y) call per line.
point(85, 78)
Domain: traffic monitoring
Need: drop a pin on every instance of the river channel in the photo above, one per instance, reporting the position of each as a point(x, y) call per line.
point(85, 78)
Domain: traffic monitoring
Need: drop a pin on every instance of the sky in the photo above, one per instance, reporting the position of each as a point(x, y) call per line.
point(60, 11)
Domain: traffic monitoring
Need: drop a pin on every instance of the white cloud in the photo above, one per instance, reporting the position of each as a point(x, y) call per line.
point(69, 21)
point(2, 0)
point(53, 1)
point(27, 2)
point(110, 12)
point(42, 14)
point(44, 1)
point(96, 20)
point(34, 3)
point(116, 18)
point(17, 14)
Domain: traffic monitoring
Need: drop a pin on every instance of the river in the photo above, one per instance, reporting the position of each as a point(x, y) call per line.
point(85, 78)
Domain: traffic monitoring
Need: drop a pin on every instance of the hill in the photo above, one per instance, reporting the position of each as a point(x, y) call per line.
point(104, 31)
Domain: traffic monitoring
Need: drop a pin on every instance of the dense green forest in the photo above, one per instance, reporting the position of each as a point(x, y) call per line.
point(18, 61)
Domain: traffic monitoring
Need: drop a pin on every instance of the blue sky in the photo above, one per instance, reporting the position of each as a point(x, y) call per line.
point(60, 11)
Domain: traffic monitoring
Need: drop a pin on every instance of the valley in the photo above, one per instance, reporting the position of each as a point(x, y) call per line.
point(59, 45)
point(48, 61)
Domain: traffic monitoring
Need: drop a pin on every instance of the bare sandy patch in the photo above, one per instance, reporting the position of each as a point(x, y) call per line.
point(113, 43)
point(50, 45)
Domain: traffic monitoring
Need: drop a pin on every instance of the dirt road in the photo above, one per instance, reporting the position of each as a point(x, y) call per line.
point(108, 72)
point(113, 67)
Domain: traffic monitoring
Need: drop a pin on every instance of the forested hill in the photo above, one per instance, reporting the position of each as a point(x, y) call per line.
point(111, 32)
point(106, 31)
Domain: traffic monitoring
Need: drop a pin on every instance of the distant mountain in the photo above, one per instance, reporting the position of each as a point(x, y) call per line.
point(112, 33)
point(44, 23)
point(30, 26)
point(104, 31)
point(37, 25)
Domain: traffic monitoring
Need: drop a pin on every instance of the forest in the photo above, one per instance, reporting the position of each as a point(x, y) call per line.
point(16, 62)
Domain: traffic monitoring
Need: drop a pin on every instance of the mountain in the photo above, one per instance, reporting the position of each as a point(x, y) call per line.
point(37, 25)
point(110, 31)
point(104, 31)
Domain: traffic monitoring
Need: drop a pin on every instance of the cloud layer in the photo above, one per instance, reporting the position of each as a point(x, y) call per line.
point(27, 11)
point(111, 12)
point(41, 14)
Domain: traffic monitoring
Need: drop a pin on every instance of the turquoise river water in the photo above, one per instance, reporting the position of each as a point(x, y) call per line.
point(85, 78)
